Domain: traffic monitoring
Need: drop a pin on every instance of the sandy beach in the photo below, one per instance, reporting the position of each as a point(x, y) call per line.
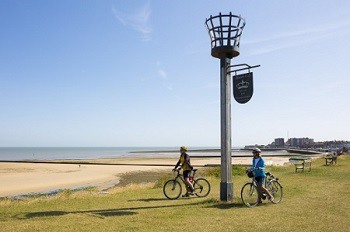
point(18, 178)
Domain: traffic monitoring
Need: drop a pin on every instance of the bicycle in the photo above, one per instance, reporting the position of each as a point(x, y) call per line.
point(172, 189)
point(250, 193)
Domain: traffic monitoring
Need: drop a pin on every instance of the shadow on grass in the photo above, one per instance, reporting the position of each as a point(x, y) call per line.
point(164, 199)
point(99, 213)
point(128, 211)
point(228, 205)
point(212, 203)
point(234, 205)
point(151, 199)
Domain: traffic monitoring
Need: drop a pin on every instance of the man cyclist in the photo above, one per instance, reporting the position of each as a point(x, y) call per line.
point(259, 174)
point(186, 166)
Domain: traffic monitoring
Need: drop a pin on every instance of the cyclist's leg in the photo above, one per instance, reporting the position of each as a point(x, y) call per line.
point(259, 184)
point(188, 184)
point(269, 195)
point(263, 189)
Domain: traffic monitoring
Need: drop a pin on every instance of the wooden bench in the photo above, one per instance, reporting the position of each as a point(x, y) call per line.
point(331, 159)
point(301, 163)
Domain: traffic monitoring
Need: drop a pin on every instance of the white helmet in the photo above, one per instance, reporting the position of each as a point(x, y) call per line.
point(256, 150)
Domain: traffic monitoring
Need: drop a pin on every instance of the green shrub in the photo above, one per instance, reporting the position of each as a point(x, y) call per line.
point(161, 181)
point(237, 170)
point(214, 172)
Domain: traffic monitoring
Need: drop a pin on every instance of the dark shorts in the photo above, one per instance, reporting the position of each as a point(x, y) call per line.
point(259, 180)
point(186, 173)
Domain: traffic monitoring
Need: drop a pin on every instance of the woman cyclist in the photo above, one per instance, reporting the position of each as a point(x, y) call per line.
point(186, 166)
point(259, 174)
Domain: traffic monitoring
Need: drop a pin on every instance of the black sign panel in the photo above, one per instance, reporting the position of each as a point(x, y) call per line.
point(243, 87)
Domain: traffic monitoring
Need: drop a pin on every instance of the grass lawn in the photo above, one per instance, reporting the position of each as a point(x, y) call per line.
point(313, 201)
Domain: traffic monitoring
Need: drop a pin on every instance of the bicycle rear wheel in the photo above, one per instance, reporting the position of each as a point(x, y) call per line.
point(202, 187)
point(172, 189)
point(275, 188)
point(249, 195)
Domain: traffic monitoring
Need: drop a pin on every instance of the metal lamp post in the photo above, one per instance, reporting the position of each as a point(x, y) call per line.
point(225, 32)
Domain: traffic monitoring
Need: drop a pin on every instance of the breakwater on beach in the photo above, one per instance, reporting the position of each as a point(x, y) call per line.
point(55, 153)
point(63, 153)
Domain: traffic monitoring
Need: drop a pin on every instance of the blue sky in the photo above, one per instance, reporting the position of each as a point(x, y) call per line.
point(140, 73)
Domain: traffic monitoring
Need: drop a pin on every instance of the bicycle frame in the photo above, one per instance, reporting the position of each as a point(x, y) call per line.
point(261, 194)
point(272, 185)
point(181, 177)
point(268, 178)
point(173, 187)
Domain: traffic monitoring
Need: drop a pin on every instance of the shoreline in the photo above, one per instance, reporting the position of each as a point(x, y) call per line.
point(23, 178)
point(83, 153)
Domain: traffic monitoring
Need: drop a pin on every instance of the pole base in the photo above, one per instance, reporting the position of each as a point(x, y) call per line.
point(226, 191)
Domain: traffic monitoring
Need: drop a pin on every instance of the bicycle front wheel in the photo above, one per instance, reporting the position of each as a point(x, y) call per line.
point(172, 189)
point(201, 187)
point(275, 189)
point(249, 195)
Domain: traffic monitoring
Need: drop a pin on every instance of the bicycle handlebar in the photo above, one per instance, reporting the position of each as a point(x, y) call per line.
point(256, 169)
point(266, 173)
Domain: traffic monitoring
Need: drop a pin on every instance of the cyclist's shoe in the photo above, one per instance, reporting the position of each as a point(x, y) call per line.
point(263, 196)
point(193, 192)
point(186, 195)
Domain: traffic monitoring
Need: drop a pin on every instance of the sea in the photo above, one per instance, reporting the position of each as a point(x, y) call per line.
point(62, 153)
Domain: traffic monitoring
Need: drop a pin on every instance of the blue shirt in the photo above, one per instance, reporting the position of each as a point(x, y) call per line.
point(259, 167)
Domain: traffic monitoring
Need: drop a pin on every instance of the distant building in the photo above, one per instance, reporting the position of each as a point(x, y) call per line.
point(279, 142)
point(301, 142)
point(308, 143)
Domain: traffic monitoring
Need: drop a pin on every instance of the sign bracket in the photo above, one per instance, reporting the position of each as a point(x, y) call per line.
point(229, 71)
